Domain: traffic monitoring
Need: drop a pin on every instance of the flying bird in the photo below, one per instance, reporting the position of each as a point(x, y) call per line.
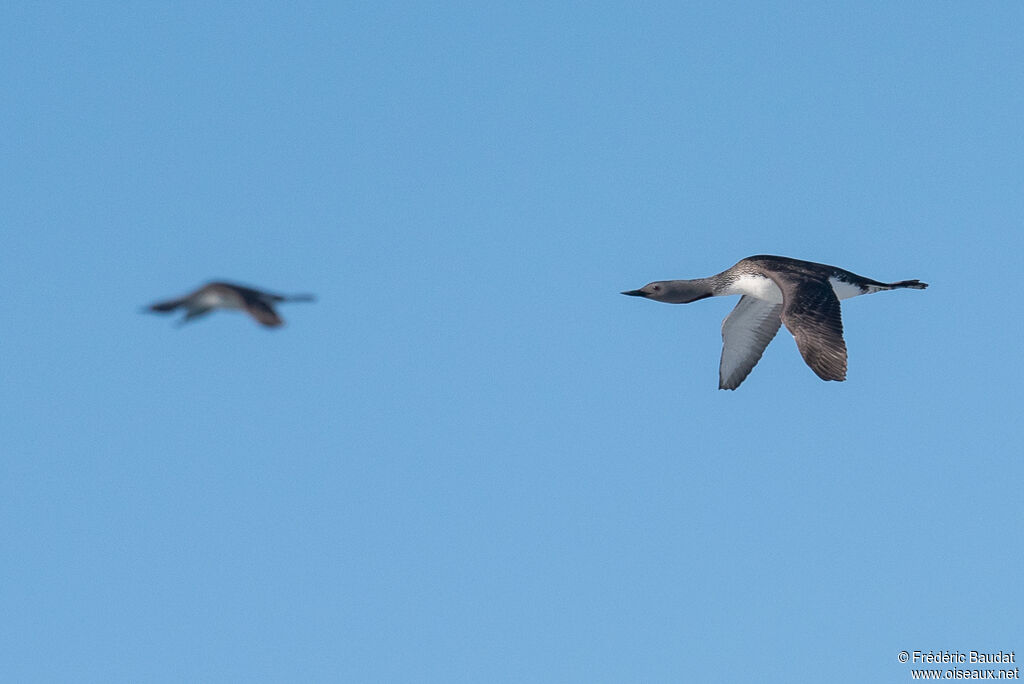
point(220, 295)
point(775, 290)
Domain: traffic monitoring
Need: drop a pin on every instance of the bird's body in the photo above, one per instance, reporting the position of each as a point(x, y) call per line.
point(222, 295)
point(775, 290)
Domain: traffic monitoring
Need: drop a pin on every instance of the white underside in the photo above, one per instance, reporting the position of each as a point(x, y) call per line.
point(214, 300)
point(758, 287)
point(765, 289)
point(845, 290)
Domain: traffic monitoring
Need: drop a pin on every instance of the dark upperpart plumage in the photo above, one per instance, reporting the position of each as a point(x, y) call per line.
point(223, 295)
point(803, 295)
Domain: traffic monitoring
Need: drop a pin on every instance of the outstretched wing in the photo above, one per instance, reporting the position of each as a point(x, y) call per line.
point(746, 331)
point(263, 312)
point(811, 312)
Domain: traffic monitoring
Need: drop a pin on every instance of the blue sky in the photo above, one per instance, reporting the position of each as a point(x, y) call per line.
point(472, 459)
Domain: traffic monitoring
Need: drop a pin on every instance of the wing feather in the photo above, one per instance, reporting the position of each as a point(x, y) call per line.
point(746, 331)
point(263, 312)
point(811, 312)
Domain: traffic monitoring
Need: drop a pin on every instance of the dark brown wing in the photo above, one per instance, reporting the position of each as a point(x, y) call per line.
point(811, 312)
point(263, 312)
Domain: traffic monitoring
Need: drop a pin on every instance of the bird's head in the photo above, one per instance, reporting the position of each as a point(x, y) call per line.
point(673, 291)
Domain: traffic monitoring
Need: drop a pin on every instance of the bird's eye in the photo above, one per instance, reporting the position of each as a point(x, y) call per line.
point(656, 288)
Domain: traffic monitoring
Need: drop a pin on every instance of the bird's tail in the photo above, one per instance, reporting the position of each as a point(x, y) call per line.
point(912, 284)
point(299, 298)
